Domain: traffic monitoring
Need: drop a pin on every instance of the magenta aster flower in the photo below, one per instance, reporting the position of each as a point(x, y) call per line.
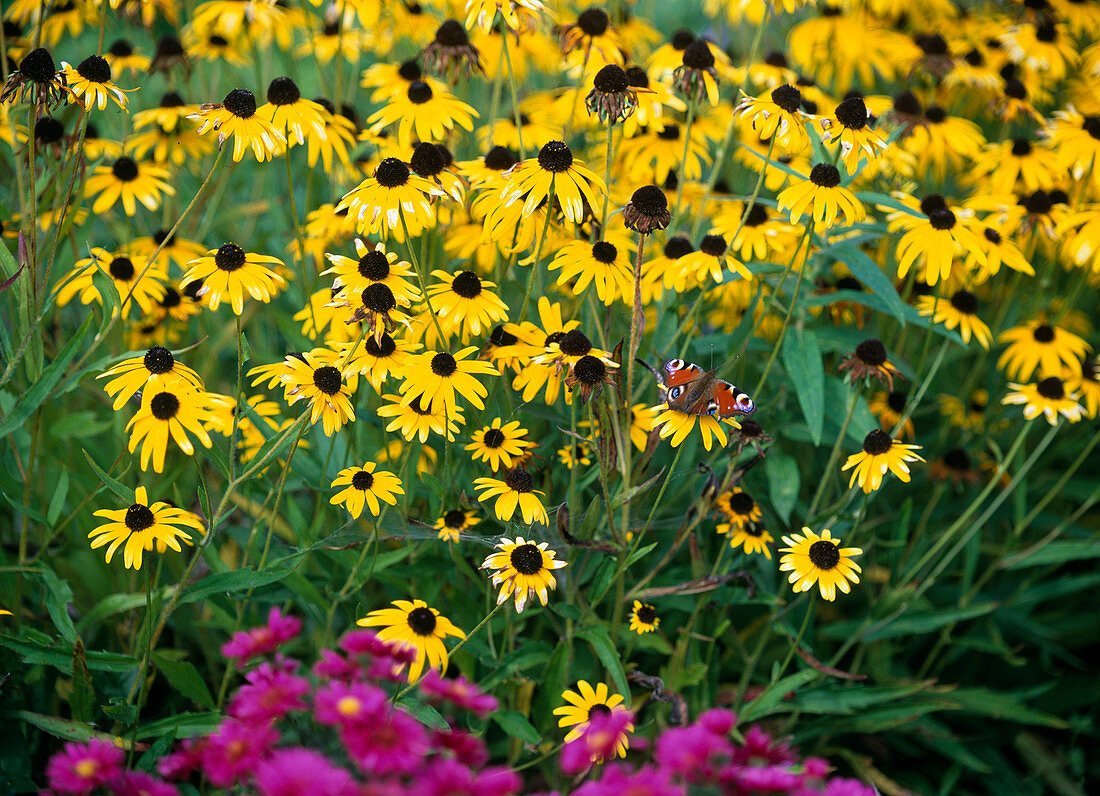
point(334, 666)
point(346, 705)
point(395, 744)
point(445, 777)
point(599, 740)
point(464, 746)
point(232, 752)
point(182, 762)
point(263, 640)
point(839, 786)
point(759, 747)
point(459, 692)
point(272, 690)
point(762, 779)
point(140, 783)
point(617, 780)
point(82, 767)
point(694, 753)
point(385, 661)
point(717, 720)
point(292, 772)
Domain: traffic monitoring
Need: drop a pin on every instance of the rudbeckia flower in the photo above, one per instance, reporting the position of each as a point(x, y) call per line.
point(888, 408)
point(169, 411)
point(365, 485)
point(143, 527)
point(466, 304)
point(1047, 398)
point(780, 115)
point(393, 197)
point(423, 113)
point(643, 618)
point(1039, 345)
point(555, 169)
point(236, 116)
point(320, 384)
point(130, 181)
point(288, 112)
point(823, 193)
point(880, 454)
point(514, 491)
point(813, 559)
point(960, 311)
point(587, 702)
point(678, 425)
point(500, 445)
point(149, 372)
point(90, 83)
point(414, 624)
point(454, 522)
point(436, 377)
point(522, 569)
point(935, 241)
point(132, 276)
point(416, 420)
point(601, 264)
point(852, 129)
point(228, 272)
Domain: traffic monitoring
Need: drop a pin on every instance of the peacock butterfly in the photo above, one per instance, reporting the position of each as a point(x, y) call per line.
point(694, 391)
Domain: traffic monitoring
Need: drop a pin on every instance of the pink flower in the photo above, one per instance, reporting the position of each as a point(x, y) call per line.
point(458, 691)
point(761, 779)
point(349, 704)
point(617, 781)
point(140, 783)
point(694, 752)
point(395, 744)
point(717, 721)
point(262, 640)
point(334, 666)
point(385, 661)
point(272, 691)
point(295, 771)
point(466, 747)
point(760, 747)
point(597, 741)
point(234, 750)
point(451, 778)
point(82, 767)
point(839, 786)
point(816, 768)
point(180, 763)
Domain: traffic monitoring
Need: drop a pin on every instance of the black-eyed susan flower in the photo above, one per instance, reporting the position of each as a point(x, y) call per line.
point(662, 155)
point(91, 85)
point(132, 276)
point(576, 453)
point(592, 34)
point(739, 509)
point(35, 77)
point(168, 411)
point(696, 76)
point(711, 259)
point(500, 445)
point(365, 485)
point(643, 618)
point(880, 454)
point(780, 115)
point(436, 377)
point(236, 116)
point(450, 53)
point(515, 490)
point(122, 56)
point(813, 559)
point(373, 308)
point(755, 233)
point(290, 113)
point(454, 522)
point(377, 360)
point(752, 537)
point(523, 568)
point(374, 266)
point(955, 466)
point(676, 424)
point(322, 385)
point(968, 414)
point(588, 375)
point(961, 312)
point(555, 169)
point(482, 13)
point(433, 162)
point(130, 181)
point(851, 128)
point(415, 625)
point(393, 197)
point(149, 372)
point(997, 250)
point(602, 264)
point(888, 408)
point(143, 527)
point(424, 113)
point(168, 115)
point(416, 419)
point(337, 142)
point(936, 241)
point(466, 304)
point(587, 702)
point(228, 272)
point(1047, 398)
point(1039, 345)
point(869, 361)
point(1086, 384)
point(822, 193)
point(647, 210)
point(641, 422)
point(612, 98)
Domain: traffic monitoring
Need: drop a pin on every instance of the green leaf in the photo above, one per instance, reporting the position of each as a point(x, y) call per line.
point(231, 582)
point(769, 701)
point(70, 730)
point(58, 597)
point(183, 725)
point(873, 278)
point(121, 711)
point(121, 492)
point(517, 726)
point(82, 696)
point(425, 714)
point(802, 359)
point(1003, 706)
point(185, 678)
point(600, 642)
point(627, 496)
point(784, 482)
point(114, 604)
point(33, 652)
point(57, 500)
point(640, 553)
point(1058, 553)
point(34, 397)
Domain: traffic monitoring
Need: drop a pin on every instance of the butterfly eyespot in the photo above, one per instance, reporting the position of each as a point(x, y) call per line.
point(675, 392)
point(674, 365)
point(746, 404)
point(712, 408)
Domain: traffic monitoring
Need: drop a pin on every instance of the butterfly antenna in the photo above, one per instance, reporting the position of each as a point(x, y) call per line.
point(648, 367)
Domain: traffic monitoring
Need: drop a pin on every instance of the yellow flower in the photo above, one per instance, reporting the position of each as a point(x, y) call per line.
point(228, 272)
point(643, 618)
point(824, 195)
point(499, 445)
point(819, 559)
point(237, 117)
point(367, 485)
point(514, 491)
point(960, 311)
point(143, 528)
point(521, 569)
point(678, 425)
point(585, 702)
point(1040, 345)
point(130, 181)
point(414, 624)
point(880, 453)
point(1047, 398)
point(169, 411)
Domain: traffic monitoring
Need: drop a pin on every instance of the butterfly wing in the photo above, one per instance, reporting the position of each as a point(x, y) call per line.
point(728, 400)
point(679, 382)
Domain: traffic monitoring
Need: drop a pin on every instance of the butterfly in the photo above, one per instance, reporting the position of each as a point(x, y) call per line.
point(694, 391)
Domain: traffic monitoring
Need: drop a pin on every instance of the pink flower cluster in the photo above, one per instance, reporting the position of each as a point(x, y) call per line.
point(279, 721)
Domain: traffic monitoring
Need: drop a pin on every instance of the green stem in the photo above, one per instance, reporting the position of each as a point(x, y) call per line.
point(834, 455)
point(798, 638)
point(538, 251)
point(420, 278)
point(512, 90)
point(683, 162)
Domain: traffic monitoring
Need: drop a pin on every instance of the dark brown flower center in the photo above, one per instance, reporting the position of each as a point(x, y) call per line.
point(852, 113)
point(121, 269)
point(391, 173)
point(158, 359)
point(38, 66)
point(589, 370)
point(526, 559)
point(427, 160)
point(825, 175)
point(493, 438)
point(1043, 333)
point(125, 169)
point(467, 284)
point(965, 302)
point(877, 443)
point(650, 200)
point(519, 480)
point(422, 621)
point(678, 247)
point(742, 503)
point(646, 614)
point(327, 380)
point(95, 68)
point(1051, 388)
point(139, 518)
point(377, 297)
point(957, 459)
point(555, 156)
point(382, 349)
point(697, 55)
point(283, 91)
point(871, 352)
point(575, 343)
point(229, 257)
point(611, 80)
point(604, 252)
point(593, 22)
point(443, 364)
point(240, 103)
point(824, 555)
point(419, 92)
point(164, 406)
point(499, 159)
point(455, 518)
point(714, 245)
point(787, 97)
